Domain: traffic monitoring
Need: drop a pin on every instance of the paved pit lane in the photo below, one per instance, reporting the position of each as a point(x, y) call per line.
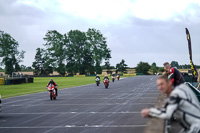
point(84, 109)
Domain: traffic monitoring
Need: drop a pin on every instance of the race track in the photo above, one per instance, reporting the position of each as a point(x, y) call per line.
point(84, 109)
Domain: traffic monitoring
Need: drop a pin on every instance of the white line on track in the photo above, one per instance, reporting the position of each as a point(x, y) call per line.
point(134, 93)
point(100, 104)
point(41, 113)
point(30, 99)
point(84, 98)
point(115, 98)
point(106, 126)
point(152, 78)
point(74, 126)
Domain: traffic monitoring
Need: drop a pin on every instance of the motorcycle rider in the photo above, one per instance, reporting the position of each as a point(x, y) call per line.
point(97, 76)
point(106, 77)
point(113, 75)
point(55, 84)
point(174, 74)
point(181, 103)
point(118, 75)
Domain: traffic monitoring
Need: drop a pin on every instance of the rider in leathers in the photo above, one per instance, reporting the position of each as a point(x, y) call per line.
point(174, 74)
point(183, 104)
point(97, 76)
point(106, 77)
point(55, 84)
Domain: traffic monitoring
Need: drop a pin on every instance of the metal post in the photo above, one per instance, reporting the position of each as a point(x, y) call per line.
point(12, 75)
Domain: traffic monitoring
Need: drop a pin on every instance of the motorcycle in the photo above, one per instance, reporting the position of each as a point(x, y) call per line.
point(97, 81)
point(106, 83)
point(118, 77)
point(113, 78)
point(52, 91)
point(0, 103)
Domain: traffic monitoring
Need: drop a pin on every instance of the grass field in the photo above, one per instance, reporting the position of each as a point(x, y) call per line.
point(39, 85)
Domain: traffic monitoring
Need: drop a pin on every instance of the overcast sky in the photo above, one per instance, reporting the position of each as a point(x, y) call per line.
point(136, 30)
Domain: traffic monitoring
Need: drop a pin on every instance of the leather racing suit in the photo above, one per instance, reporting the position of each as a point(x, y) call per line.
point(55, 84)
point(184, 106)
point(176, 77)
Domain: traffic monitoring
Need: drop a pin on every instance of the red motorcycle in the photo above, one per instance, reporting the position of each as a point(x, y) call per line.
point(113, 78)
point(118, 77)
point(106, 83)
point(52, 91)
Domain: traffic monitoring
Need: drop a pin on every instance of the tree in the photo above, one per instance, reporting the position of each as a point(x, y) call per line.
point(107, 60)
point(88, 66)
point(154, 68)
point(121, 67)
point(9, 53)
point(85, 51)
point(42, 64)
point(25, 68)
point(175, 64)
point(98, 46)
point(56, 50)
point(76, 51)
point(161, 69)
point(143, 67)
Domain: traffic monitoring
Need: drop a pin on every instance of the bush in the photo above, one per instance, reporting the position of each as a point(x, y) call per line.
point(143, 67)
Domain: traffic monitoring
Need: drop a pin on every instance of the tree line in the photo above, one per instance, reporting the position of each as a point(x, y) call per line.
point(72, 52)
point(10, 56)
point(145, 68)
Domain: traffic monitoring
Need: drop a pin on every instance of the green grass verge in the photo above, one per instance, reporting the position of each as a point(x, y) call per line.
point(40, 84)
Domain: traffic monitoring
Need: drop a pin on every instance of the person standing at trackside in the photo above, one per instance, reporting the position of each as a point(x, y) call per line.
point(55, 84)
point(182, 104)
point(174, 74)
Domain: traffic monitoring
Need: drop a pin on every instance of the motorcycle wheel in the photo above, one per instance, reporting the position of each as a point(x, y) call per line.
point(54, 98)
point(51, 96)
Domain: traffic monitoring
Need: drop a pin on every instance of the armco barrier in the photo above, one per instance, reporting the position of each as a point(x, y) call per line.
point(2, 81)
point(29, 80)
point(18, 81)
point(139, 74)
point(92, 75)
point(15, 81)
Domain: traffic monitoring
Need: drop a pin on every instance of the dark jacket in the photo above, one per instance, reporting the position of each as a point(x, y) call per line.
point(97, 77)
point(106, 78)
point(55, 84)
point(176, 77)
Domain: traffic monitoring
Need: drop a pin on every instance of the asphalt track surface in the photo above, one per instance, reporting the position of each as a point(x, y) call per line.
point(84, 109)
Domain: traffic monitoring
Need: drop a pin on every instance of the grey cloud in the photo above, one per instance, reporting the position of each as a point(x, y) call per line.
point(131, 38)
